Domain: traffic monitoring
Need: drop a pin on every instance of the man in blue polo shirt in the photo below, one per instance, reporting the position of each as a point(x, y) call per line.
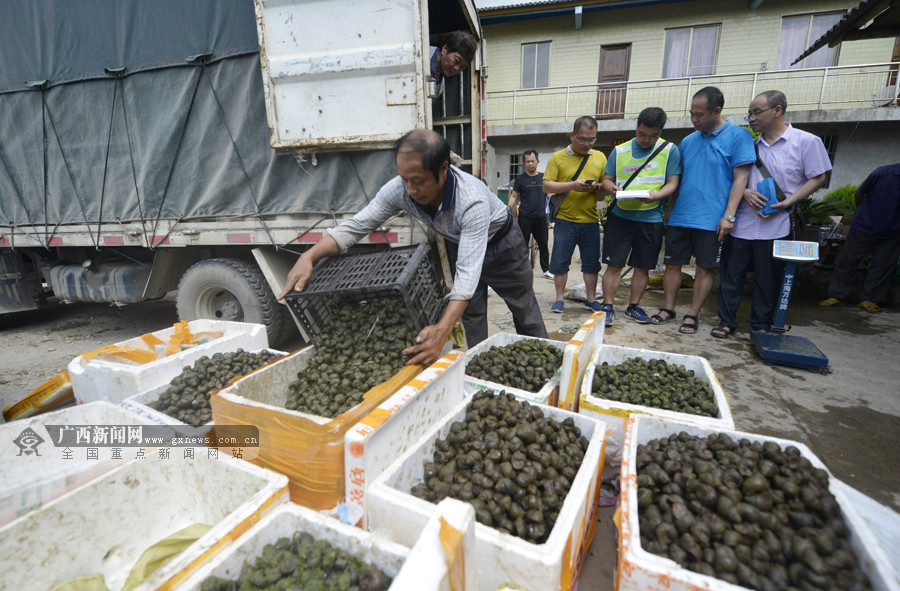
point(716, 159)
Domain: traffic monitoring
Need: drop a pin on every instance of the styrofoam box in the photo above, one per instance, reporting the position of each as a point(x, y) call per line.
point(140, 403)
point(546, 395)
point(576, 357)
point(105, 525)
point(107, 380)
point(883, 521)
point(284, 521)
point(501, 558)
point(428, 568)
point(615, 413)
point(640, 570)
point(397, 423)
point(29, 480)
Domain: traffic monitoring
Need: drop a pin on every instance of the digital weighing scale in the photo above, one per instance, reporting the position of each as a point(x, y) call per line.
point(777, 347)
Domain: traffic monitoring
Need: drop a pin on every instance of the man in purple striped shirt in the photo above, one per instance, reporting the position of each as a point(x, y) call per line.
point(798, 162)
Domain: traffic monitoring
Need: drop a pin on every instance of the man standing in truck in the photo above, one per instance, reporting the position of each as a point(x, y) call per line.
point(476, 227)
point(451, 58)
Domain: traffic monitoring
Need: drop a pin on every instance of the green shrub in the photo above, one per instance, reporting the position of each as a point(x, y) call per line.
point(838, 202)
point(845, 194)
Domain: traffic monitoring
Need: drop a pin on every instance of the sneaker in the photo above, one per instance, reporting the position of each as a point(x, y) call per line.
point(636, 313)
point(870, 307)
point(547, 274)
point(610, 315)
point(594, 306)
point(557, 306)
point(831, 302)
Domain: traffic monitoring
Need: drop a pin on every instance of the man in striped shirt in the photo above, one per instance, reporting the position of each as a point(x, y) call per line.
point(476, 227)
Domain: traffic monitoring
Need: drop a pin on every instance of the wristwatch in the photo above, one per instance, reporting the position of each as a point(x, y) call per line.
point(728, 218)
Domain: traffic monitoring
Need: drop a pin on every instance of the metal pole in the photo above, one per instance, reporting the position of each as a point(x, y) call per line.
point(753, 92)
point(515, 100)
point(822, 93)
point(568, 88)
point(687, 97)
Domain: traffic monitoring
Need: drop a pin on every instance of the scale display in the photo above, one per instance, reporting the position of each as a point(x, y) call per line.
point(794, 250)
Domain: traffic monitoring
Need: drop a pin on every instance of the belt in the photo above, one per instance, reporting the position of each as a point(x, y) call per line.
point(503, 231)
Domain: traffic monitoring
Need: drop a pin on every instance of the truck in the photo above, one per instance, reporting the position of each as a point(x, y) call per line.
point(201, 145)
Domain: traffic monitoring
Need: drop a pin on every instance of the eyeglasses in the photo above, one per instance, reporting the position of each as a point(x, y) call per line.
point(755, 114)
point(586, 140)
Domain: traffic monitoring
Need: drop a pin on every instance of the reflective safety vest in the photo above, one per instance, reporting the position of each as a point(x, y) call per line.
point(651, 178)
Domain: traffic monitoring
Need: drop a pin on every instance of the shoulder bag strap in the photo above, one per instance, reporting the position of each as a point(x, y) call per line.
point(581, 166)
point(641, 167)
point(779, 194)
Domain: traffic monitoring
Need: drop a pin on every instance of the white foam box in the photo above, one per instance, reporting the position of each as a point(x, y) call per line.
point(883, 521)
point(139, 404)
point(105, 525)
point(501, 558)
point(639, 570)
point(443, 557)
point(39, 473)
point(576, 357)
point(101, 379)
point(546, 395)
point(283, 522)
point(397, 423)
point(615, 413)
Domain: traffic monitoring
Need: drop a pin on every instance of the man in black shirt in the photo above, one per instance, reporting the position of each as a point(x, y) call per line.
point(533, 208)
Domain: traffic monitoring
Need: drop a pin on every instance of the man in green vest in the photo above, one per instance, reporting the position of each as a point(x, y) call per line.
point(647, 164)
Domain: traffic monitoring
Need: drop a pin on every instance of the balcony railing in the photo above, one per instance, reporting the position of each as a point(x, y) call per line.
point(837, 87)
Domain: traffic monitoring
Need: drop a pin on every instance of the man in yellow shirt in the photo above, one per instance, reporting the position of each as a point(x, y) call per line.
point(575, 170)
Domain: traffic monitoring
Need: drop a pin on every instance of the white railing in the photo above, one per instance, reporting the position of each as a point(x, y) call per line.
point(836, 87)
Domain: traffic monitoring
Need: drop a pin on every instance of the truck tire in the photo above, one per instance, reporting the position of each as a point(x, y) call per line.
point(230, 289)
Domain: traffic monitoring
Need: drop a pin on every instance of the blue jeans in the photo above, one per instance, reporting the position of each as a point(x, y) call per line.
point(566, 236)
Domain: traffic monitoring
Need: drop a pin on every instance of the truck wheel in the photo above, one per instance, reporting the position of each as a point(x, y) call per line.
point(230, 289)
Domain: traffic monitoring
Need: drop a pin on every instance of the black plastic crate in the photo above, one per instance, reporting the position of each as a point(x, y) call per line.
point(349, 279)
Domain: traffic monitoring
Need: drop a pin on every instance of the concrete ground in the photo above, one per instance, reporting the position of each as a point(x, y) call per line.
point(848, 414)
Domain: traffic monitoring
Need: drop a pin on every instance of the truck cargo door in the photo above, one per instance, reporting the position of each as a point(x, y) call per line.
point(342, 75)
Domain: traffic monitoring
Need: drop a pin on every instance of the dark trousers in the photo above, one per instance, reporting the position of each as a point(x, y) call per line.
point(878, 279)
point(539, 229)
point(738, 257)
point(507, 270)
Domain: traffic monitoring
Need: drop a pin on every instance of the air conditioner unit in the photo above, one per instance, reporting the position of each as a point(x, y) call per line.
point(885, 97)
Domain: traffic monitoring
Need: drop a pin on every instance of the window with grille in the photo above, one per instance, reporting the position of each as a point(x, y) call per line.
point(516, 167)
point(691, 51)
point(536, 65)
point(798, 33)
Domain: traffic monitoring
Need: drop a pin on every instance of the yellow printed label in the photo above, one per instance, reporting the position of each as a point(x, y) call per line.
point(451, 542)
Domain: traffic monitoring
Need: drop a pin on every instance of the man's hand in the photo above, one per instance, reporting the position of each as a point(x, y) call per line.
point(653, 196)
point(580, 186)
point(754, 199)
point(298, 276)
point(724, 228)
point(429, 344)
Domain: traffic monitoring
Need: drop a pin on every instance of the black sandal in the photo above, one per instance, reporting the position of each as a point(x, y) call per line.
point(657, 319)
point(723, 331)
point(686, 328)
